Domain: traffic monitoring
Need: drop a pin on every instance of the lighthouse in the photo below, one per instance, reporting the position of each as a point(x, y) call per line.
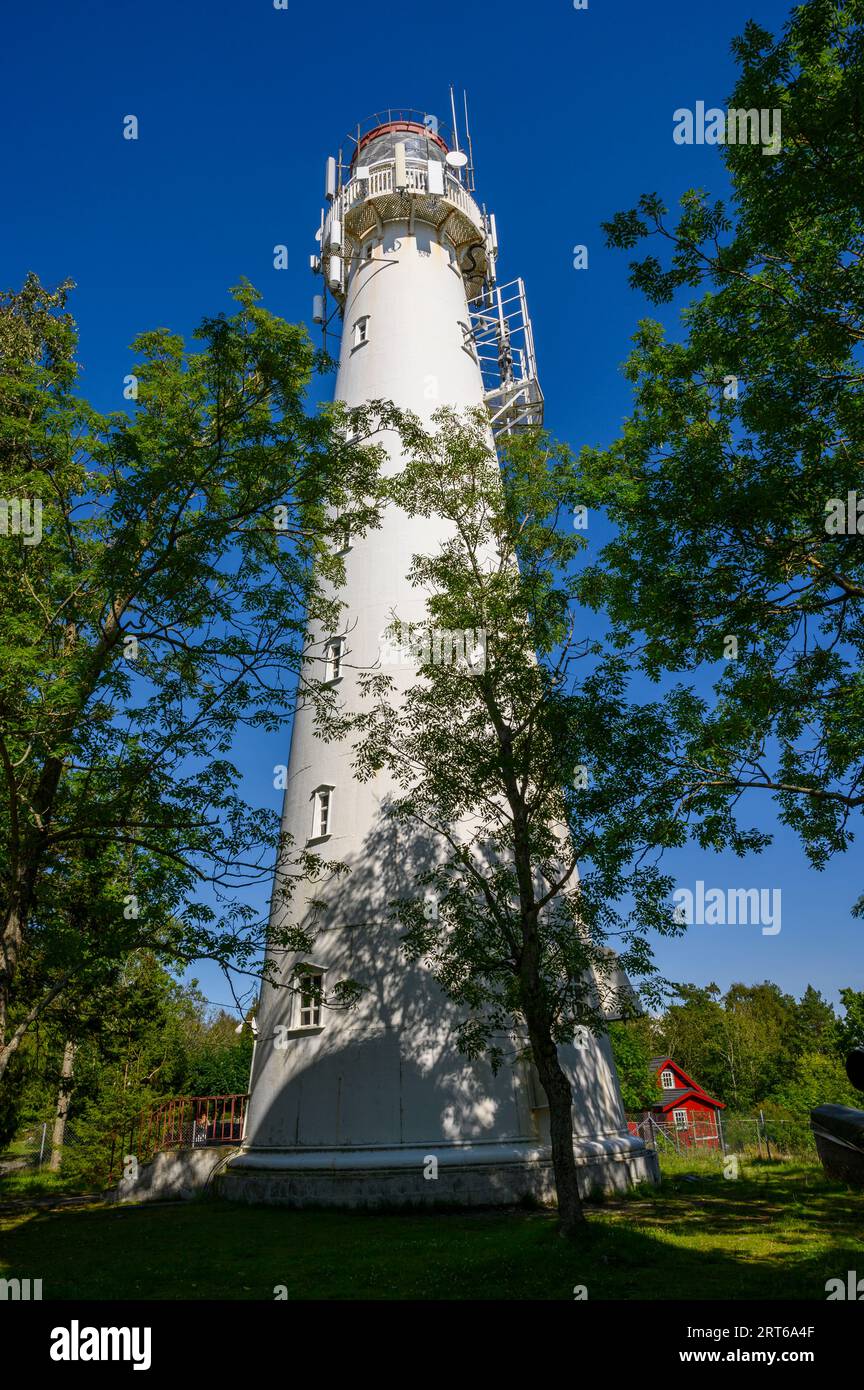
point(374, 1104)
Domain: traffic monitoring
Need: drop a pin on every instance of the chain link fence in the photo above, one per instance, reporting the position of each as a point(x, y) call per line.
point(31, 1151)
point(750, 1136)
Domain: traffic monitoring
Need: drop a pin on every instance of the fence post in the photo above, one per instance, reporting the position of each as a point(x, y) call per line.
point(765, 1128)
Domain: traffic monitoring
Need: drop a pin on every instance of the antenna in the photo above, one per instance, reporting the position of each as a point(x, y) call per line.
point(470, 147)
point(456, 159)
point(453, 113)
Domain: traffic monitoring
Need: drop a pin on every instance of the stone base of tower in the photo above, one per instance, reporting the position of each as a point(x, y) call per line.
point(464, 1175)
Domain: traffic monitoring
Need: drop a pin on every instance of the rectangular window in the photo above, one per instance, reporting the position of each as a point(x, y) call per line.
point(333, 659)
point(322, 812)
point(680, 1117)
point(343, 536)
point(667, 1080)
point(311, 992)
point(361, 331)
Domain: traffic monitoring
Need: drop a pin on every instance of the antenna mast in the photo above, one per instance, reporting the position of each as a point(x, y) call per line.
point(455, 130)
point(470, 146)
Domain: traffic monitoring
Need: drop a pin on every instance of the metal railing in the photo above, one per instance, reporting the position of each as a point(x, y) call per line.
point(184, 1122)
point(382, 180)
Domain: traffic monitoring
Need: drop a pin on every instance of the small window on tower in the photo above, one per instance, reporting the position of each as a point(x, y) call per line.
point(342, 536)
point(311, 996)
point(322, 813)
point(667, 1080)
point(361, 331)
point(333, 659)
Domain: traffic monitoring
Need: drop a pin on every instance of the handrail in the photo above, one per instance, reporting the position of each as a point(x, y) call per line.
point(183, 1122)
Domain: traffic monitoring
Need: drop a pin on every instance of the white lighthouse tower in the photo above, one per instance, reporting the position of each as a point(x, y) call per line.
point(374, 1104)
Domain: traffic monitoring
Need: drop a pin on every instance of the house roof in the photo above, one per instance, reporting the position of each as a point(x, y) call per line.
point(692, 1087)
point(673, 1098)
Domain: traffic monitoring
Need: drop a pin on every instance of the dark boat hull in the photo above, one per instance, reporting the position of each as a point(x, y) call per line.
point(839, 1134)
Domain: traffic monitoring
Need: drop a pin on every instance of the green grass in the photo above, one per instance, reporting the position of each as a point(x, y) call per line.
point(779, 1231)
point(32, 1182)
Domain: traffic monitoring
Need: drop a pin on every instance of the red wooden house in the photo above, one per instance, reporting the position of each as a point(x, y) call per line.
point(683, 1109)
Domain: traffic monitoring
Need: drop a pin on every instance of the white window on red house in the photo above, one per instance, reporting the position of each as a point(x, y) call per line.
point(680, 1118)
point(667, 1080)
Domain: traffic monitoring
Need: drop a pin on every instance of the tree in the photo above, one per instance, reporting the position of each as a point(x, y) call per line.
point(64, 1096)
point(815, 1023)
point(510, 769)
point(632, 1048)
point(694, 1032)
point(746, 436)
point(817, 1079)
point(157, 573)
point(850, 1030)
point(759, 1023)
point(144, 1038)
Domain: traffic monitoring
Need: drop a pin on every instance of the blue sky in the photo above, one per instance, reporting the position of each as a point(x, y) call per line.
point(238, 106)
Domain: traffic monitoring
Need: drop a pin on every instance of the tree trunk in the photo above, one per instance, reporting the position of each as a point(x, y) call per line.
point(63, 1097)
point(571, 1217)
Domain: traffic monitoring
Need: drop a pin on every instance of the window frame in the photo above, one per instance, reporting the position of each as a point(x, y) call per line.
point(360, 332)
point(343, 540)
point(326, 789)
point(676, 1118)
point(670, 1085)
point(334, 656)
point(314, 975)
point(316, 995)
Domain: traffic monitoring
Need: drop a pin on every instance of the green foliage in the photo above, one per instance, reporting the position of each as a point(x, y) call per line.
point(742, 432)
point(147, 1039)
point(757, 1048)
point(850, 1032)
point(184, 547)
point(632, 1047)
point(817, 1079)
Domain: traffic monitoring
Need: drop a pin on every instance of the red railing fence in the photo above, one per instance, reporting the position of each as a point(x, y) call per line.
point(184, 1122)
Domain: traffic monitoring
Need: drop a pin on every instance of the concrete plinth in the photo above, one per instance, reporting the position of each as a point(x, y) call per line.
point(475, 1176)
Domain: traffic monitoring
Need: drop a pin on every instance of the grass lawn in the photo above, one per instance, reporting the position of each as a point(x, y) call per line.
point(779, 1231)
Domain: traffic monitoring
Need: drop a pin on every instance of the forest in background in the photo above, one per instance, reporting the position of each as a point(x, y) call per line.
point(754, 1048)
point(147, 1039)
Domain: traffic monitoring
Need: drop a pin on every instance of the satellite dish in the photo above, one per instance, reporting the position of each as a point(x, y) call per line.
point(456, 159)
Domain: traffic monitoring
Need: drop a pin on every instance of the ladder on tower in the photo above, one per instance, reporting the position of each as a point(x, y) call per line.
point(502, 340)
